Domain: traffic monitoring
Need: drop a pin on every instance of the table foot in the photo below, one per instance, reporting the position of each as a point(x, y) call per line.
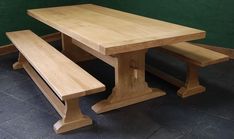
point(111, 104)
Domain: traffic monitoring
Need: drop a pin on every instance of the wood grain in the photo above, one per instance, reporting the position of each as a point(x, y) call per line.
point(10, 48)
point(130, 85)
point(194, 54)
point(110, 31)
point(227, 51)
point(53, 67)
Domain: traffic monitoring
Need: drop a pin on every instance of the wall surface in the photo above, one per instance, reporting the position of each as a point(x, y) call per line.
point(214, 16)
point(13, 15)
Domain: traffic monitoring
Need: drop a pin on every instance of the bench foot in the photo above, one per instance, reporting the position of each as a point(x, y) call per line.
point(113, 103)
point(72, 118)
point(186, 92)
point(192, 85)
point(62, 127)
point(19, 64)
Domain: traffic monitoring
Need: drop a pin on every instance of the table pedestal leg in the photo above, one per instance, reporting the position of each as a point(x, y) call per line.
point(130, 86)
point(73, 52)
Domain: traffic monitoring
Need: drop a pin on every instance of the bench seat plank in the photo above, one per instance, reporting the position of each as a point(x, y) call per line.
point(195, 57)
point(67, 79)
point(195, 54)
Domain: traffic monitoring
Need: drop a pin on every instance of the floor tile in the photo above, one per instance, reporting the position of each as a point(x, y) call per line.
point(165, 133)
point(13, 109)
point(89, 132)
point(5, 135)
point(126, 124)
point(23, 90)
point(34, 124)
point(7, 100)
point(176, 116)
point(212, 128)
point(40, 102)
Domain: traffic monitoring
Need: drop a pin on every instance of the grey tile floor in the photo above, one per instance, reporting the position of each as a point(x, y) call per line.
point(26, 114)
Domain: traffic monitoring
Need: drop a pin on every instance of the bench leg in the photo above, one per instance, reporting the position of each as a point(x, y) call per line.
point(192, 85)
point(72, 119)
point(20, 62)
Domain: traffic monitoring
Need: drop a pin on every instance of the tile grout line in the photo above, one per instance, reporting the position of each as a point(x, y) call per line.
point(155, 131)
point(8, 133)
point(209, 114)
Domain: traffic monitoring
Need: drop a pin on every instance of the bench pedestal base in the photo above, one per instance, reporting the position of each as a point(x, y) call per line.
point(62, 127)
point(192, 85)
point(189, 88)
point(186, 92)
point(72, 117)
point(19, 63)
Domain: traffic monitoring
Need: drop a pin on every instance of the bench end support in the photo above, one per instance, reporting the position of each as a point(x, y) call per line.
point(186, 92)
point(62, 127)
point(192, 85)
point(72, 118)
point(19, 64)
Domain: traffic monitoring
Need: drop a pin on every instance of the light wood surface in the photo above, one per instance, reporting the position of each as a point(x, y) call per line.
point(20, 62)
point(107, 59)
point(130, 85)
point(110, 31)
point(72, 117)
point(10, 48)
point(53, 67)
point(57, 77)
point(188, 88)
point(195, 57)
point(227, 51)
point(119, 39)
point(70, 50)
point(195, 54)
point(192, 85)
point(45, 89)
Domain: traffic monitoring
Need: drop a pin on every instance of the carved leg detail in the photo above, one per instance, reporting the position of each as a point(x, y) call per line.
point(19, 63)
point(73, 118)
point(192, 85)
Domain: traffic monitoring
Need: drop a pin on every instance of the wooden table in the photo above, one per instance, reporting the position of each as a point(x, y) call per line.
point(120, 39)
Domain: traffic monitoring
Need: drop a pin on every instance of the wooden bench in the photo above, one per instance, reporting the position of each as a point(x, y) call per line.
point(61, 81)
point(195, 57)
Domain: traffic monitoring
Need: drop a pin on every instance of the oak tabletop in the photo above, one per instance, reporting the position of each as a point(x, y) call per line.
point(110, 31)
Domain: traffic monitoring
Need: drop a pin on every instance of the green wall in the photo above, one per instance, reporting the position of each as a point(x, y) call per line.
point(214, 16)
point(13, 15)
